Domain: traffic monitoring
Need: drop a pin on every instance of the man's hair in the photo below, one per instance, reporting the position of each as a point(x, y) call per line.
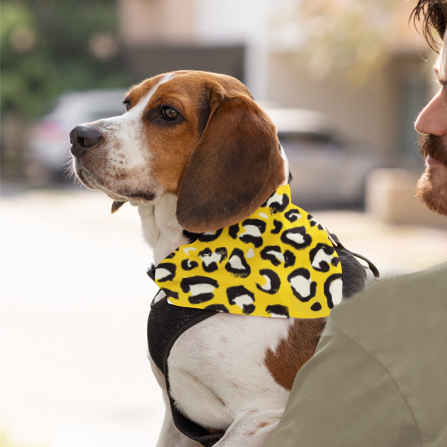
point(433, 16)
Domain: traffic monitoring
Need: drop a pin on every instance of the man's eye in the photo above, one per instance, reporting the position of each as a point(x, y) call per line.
point(169, 114)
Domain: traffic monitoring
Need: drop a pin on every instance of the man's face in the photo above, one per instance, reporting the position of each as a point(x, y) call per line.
point(432, 125)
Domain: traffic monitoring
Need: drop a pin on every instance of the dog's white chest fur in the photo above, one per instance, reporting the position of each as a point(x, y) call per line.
point(216, 369)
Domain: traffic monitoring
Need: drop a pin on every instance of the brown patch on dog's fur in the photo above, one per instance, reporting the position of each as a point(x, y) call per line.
point(294, 351)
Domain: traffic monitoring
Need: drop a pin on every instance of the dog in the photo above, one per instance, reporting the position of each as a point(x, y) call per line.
point(195, 153)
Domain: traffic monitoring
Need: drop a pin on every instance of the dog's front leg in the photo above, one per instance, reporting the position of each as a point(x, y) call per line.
point(251, 428)
point(170, 436)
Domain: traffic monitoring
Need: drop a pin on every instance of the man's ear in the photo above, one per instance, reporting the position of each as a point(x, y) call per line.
point(234, 168)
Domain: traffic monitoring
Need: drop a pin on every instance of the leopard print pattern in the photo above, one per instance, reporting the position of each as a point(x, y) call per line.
point(279, 262)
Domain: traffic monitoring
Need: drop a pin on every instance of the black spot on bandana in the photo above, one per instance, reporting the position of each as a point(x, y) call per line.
point(293, 215)
point(313, 222)
point(187, 264)
point(212, 266)
point(238, 291)
point(277, 309)
point(275, 282)
point(316, 307)
point(171, 268)
point(233, 231)
point(278, 227)
point(268, 254)
point(309, 291)
point(277, 205)
point(257, 241)
point(217, 308)
point(211, 236)
point(289, 258)
point(171, 255)
point(237, 257)
point(199, 297)
point(323, 265)
point(288, 238)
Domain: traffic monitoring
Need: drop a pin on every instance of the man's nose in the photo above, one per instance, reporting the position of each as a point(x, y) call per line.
point(433, 118)
point(83, 138)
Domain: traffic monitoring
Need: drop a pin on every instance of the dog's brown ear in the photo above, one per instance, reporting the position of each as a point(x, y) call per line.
point(234, 168)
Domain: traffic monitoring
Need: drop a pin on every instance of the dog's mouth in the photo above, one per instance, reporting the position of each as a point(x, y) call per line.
point(119, 195)
point(147, 196)
point(81, 174)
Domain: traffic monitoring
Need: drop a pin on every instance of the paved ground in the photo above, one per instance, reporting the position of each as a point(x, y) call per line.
point(74, 303)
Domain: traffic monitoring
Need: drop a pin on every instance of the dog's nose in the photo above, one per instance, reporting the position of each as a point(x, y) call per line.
point(82, 139)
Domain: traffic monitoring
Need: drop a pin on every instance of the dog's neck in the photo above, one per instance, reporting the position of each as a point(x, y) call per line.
point(161, 229)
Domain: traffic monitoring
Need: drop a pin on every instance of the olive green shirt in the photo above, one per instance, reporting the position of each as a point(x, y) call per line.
point(379, 375)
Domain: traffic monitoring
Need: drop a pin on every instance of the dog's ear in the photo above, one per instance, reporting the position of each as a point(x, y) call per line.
point(234, 168)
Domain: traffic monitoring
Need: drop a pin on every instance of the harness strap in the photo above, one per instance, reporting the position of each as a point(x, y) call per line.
point(334, 239)
point(165, 325)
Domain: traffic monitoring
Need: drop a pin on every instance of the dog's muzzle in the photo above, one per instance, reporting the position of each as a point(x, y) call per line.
point(83, 138)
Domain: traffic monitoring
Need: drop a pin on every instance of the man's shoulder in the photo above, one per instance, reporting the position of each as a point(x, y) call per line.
point(412, 286)
point(397, 303)
point(399, 324)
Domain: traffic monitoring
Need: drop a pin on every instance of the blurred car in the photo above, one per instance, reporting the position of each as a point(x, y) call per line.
point(328, 172)
point(48, 138)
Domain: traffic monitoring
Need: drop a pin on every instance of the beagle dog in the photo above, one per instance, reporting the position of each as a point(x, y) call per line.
point(195, 153)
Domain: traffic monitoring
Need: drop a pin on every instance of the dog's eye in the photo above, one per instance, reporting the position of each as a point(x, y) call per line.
point(126, 103)
point(169, 114)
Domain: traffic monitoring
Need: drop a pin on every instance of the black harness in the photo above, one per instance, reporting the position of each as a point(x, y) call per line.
point(165, 325)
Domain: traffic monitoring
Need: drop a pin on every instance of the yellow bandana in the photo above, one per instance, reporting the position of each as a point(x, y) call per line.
point(279, 262)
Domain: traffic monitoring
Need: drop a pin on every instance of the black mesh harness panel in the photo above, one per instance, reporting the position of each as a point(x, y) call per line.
point(166, 323)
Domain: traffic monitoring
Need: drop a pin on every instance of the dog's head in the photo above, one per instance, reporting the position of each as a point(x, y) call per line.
point(194, 134)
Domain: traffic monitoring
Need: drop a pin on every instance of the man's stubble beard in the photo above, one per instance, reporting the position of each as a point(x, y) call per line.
point(432, 186)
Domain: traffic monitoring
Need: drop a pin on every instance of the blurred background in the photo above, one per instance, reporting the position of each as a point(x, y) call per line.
point(343, 80)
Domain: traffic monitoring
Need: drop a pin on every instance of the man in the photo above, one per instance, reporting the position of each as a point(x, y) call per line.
point(379, 374)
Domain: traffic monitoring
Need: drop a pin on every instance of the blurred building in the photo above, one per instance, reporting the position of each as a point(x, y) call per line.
point(165, 35)
point(235, 37)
